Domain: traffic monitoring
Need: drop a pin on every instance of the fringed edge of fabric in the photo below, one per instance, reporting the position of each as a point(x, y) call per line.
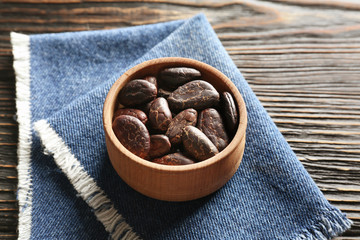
point(332, 223)
point(83, 183)
point(21, 51)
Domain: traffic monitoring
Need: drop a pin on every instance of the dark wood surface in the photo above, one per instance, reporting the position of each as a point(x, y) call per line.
point(301, 58)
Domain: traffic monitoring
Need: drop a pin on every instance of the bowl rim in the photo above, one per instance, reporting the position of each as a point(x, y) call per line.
point(109, 105)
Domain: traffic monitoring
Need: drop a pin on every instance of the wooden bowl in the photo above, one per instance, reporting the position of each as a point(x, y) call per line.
point(175, 183)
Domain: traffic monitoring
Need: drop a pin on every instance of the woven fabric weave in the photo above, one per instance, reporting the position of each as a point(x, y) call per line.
point(67, 186)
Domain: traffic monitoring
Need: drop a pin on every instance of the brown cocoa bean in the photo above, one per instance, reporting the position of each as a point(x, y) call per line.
point(137, 92)
point(132, 112)
point(197, 144)
point(174, 159)
point(160, 115)
point(171, 78)
point(196, 94)
point(188, 117)
point(132, 134)
point(151, 79)
point(211, 123)
point(229, 112)
point(159, 145)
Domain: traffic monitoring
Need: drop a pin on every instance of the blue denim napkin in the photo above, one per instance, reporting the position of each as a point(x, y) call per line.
point(67, 186)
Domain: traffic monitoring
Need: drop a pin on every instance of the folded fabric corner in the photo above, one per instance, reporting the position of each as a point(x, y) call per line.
point(71, 191)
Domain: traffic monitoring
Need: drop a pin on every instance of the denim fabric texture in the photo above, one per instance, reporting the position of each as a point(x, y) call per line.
point(271, 196)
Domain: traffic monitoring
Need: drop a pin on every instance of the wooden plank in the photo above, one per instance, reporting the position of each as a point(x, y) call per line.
point(301, 58)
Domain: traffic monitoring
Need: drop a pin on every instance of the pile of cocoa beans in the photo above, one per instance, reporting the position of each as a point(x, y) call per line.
point(175, 117)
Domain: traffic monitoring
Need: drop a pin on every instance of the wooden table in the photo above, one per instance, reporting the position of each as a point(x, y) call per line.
point(301, 58)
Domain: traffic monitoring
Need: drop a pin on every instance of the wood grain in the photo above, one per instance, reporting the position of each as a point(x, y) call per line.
point(300, 57)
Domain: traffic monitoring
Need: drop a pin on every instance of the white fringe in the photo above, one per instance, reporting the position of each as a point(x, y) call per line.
point(21, 52)
point(87, 188)
point(331, 225)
